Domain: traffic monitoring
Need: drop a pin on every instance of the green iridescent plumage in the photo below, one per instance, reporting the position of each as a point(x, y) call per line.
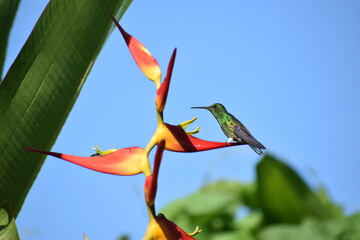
point(233, 128)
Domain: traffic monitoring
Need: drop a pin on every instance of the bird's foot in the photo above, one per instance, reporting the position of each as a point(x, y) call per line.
point(230, 140)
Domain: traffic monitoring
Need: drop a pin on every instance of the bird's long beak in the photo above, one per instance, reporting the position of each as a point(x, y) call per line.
point(199, 107)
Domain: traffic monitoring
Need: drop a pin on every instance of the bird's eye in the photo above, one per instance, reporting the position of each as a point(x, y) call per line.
point(214, 106)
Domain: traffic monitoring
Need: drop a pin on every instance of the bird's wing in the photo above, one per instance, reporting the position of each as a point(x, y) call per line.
point(244, 134)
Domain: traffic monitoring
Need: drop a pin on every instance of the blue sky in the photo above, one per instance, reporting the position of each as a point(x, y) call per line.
point(289, 70)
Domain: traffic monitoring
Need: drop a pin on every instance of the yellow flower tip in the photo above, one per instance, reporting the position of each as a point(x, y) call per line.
point(154, 74)
point(196, 231)
point(197, 129)
point(99, 152)
point(85, 237)
point(185, 124)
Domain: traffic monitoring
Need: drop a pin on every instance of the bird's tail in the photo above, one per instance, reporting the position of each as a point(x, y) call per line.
point(256, 149)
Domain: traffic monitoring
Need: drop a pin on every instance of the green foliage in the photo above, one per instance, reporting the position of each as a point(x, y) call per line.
point(213, 208)
point(222, 200)
point(278, 205)
point(335, 229)
point(281, 190)
point(43, 83)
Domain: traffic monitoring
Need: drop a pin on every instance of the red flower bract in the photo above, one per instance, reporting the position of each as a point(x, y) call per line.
point(151, 180)
point(162, 92)
point(143, 58)
point(177, 140)
point(125, 161)
point(171, 230)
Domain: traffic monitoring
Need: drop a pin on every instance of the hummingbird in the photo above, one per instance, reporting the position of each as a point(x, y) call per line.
point(232, 127)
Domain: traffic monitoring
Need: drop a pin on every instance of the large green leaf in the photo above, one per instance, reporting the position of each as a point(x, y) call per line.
point(43, 83)
point(7, 15)
point(284, 196)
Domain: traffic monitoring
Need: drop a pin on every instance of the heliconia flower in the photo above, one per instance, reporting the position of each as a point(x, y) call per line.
point(160, 228)
point(143, 58)
point(134, 160)
point(125, 161)
point(177, 140)
point(162, 92)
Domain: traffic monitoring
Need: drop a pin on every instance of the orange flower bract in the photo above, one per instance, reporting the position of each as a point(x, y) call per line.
point(126, 161)
point(177, 140)
point(143, 58)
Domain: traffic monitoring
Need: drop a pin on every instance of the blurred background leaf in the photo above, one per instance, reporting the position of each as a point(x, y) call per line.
point(311, 228)
point(284, 196)
point(278, 205)
point(213, 208)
